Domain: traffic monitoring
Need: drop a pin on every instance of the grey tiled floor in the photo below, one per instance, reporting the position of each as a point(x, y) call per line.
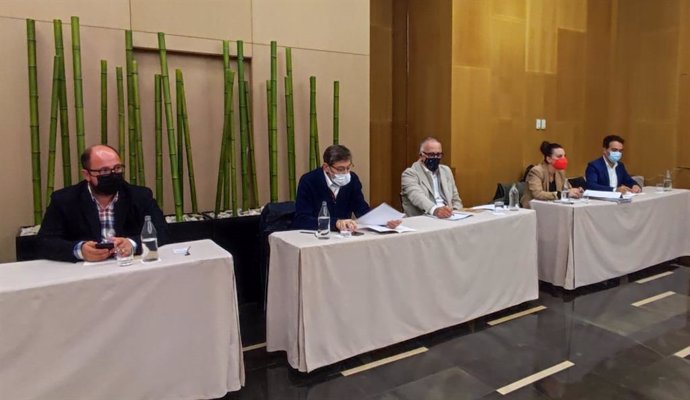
point(619, 351)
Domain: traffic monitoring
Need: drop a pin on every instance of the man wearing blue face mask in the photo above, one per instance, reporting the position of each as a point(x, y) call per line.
point(608, 172)
point(427, 186)
point(336, 184)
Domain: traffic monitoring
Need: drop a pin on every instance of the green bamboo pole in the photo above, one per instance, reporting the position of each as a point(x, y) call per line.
point(33, 119)
point(336, 112)
point(158, 121)
point(313, 130)
point(64, 115)
point(52, 133)
point(252, 159)
point(244, 134)
point(165, 83)
point(131, 119)
point(273, 123)
point(222, 187)
point(180, 136)
point(188, 145)
point(231, 166)
point(290, 125)
point(78, 91)
point(104, 102)
point(141, 179)
point(120, 112)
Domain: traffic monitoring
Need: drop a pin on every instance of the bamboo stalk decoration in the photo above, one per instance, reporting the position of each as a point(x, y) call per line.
point(165, 84)
point(64, 115)
point(104, 101)
point(121, 128)
point(180, 136)
point(230, 151)
point(273, 123)
point(244, 134)
point(250, 139)
point(33, 119)
point(222, 187)
point(78, 91)
point(131, 120)
point(313, 129)
point(158, 113)
point(290, 125)
point(188, 145)
point(141, 179)
point(52, 132)
point(336, 112)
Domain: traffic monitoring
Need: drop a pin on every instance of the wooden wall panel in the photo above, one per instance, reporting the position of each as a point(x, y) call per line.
point(509, 8)
point(572, 14)
point(571, 76)
point(471, 32)
point(541, 36)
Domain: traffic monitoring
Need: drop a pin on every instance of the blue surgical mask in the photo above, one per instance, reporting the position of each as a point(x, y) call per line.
point(341, 179)
point(615, 156)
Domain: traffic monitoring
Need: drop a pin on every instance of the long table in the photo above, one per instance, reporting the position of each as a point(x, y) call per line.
point(329, 300)
point(585, 243)
point(162, 330)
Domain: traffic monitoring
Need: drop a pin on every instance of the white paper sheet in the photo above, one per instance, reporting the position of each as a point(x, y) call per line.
point(599, 194)
point(457, 216)
point(489, 207)
point(385, 229)
point(380, 215)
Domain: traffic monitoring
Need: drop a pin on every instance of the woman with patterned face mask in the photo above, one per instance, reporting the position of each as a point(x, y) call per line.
point(546, 180)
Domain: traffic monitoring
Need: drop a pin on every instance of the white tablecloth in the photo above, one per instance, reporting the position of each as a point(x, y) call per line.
point(581, 244)
point(164, 330)
point(329, 300)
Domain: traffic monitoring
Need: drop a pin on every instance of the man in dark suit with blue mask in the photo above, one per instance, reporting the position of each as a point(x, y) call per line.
point(336, 184)
point(608, 172)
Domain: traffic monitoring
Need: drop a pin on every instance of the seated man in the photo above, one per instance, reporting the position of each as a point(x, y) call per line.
point(427, 186)
point(608, 173)
point(84, 214)
point(335, 184)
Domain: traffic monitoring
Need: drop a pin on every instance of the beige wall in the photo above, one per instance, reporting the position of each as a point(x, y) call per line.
point(330, 40)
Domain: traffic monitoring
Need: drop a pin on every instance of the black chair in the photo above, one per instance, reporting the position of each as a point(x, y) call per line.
point(275, 217)
point(578, 182)
point(503, 191)
point(524, 176)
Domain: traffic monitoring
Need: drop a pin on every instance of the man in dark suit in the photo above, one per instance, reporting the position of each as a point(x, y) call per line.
point(336, 184)
point(103, 204)
point(608, 172)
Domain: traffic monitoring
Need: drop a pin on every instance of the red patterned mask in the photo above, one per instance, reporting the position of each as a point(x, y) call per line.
point(560, 163)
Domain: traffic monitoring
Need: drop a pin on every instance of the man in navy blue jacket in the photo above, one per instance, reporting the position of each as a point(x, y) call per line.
point(338, 186)
point(608, 173)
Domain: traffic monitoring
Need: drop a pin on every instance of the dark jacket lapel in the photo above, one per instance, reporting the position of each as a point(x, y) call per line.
point(90, 211)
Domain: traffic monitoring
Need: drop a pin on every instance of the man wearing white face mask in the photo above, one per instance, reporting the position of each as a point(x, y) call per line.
point(336, 184)
point(608, 172)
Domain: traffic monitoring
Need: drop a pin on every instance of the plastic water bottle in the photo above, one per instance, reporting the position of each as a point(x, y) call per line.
point(513, 198)
point(668, 185)
point(566, 190)
point(149, 241)
point(324, 222)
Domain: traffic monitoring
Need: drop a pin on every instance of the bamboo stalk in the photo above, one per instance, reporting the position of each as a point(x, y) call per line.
point(52, 132)
point(180, 136)
point(78, 91)
point(104, 102)
point(313, 129)
point(33, 119)
point(230, 151)
point(165, 83)
point(336, 112)
point(64, 115)
point(290, 125)
point(188, 146)
point(252, 159)
point(244, 134)
point(141, 179)
point(131, 119)
point(158, 122)
point(273, 123)
point(120, 111)
point(222, 187)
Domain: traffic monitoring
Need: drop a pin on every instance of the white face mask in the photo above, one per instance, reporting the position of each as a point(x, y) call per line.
point(341, 179)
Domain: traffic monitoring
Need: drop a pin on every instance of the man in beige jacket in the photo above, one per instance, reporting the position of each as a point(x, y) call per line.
point(429, 187)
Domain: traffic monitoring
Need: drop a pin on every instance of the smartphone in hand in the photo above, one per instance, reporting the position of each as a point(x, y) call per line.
point(105, 245)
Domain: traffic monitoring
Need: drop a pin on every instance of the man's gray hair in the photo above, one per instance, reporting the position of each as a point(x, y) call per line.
point(427, 140)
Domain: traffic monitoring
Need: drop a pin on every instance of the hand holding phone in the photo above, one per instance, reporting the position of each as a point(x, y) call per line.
point(105, 245)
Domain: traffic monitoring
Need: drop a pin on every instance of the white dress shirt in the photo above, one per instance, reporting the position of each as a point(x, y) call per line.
point(613, 178)
point(435, 185)
point(334, 188)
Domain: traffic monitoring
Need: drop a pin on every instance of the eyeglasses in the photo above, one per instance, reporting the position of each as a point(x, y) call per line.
point(118, 169)
point(342, 170)
point(433, 155)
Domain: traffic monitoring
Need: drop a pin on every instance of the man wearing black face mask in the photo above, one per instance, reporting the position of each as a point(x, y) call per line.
point(427, 186)
point(101, 207)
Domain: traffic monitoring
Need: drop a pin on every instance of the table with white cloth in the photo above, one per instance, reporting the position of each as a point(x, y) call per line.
point(329, 300)
point(168, 329)
point(589, 242)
